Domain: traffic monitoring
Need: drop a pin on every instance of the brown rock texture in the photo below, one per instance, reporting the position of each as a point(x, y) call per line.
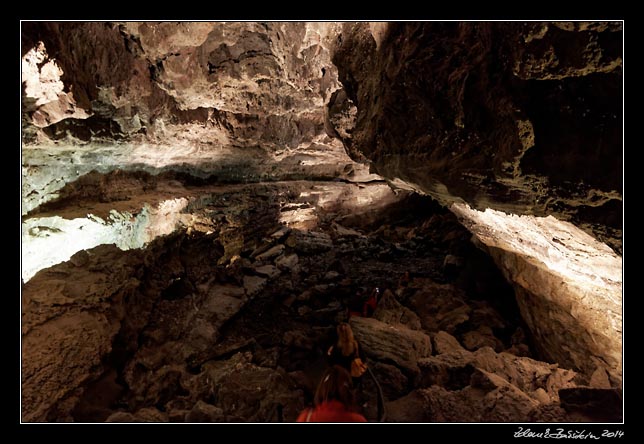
point(68, 327)
point(391, 343)
point(568, 287)
point(520, 117)
point(226, 102)
point(195, 80)
point(203, 326)
point(201, 206)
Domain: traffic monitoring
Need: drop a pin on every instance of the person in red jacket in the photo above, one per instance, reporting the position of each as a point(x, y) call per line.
point(334, 399)
point(371, 303)
point(363, 304)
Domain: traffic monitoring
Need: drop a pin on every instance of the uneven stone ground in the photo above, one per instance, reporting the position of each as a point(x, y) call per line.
point(200, 142)
point(228, 318)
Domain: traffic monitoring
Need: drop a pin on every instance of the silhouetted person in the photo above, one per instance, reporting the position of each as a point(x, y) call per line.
point(334, 399)
point(356, 304)
point(345, 351)
point(363, 303)
point(371, 303)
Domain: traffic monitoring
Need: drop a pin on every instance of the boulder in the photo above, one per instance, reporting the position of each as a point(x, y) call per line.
point(177, 415)
point(483, 337)
point(69, 323)
point(80, 259)
point(253, 285)
point(443, 342)
point(299, 339)
point(148, 414)
point(494, 400)
point(390, 311)
point(121, 417)
point(396, 345)
point(392, 381)
point(222, 302)
point(267, 271)
point(440, 306)
point(342, 231)
point(567, 285)
point(280, 234)
point(245, 390)
point(409, 408)
point(204, 412)
point(456, 370)
point(309, 242)
point(270, 253)
point(287, 262)
point(331, 275)
point(599, 378)
point(592, 404)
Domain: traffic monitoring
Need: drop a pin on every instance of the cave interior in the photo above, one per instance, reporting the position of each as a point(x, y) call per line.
point(202, 202)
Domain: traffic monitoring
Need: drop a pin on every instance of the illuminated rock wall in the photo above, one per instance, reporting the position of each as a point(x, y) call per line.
point(568, 286)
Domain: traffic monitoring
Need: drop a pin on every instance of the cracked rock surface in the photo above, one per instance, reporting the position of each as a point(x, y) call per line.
point(202, 201)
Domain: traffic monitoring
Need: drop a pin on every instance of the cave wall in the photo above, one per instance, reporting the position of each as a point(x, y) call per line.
point(568, 287)
point(144, 80)
point(520, 117)
point(229, 318)
point(525, 118)
point(233, 102)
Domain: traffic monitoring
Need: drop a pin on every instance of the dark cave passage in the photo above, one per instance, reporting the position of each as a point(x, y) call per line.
point(203, 202)
point(214, 314)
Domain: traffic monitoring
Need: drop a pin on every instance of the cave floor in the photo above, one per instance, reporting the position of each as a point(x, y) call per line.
point(228, 318)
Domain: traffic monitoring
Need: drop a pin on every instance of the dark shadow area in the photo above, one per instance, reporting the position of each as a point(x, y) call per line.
point(525, 117)
point(230, 321)
point(230, 317)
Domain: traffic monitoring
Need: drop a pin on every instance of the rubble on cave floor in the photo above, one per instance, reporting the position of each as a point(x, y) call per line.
point(229, 321)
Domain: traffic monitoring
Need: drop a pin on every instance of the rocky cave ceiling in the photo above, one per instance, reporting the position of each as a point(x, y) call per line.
point(516, 127)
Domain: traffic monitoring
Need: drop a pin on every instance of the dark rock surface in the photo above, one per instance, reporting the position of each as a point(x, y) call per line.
point(173, 332)
point(520, 117)
point(199, 211)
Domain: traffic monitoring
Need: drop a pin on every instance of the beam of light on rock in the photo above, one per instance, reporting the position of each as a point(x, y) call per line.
point(47, 241)
point(568, 284)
